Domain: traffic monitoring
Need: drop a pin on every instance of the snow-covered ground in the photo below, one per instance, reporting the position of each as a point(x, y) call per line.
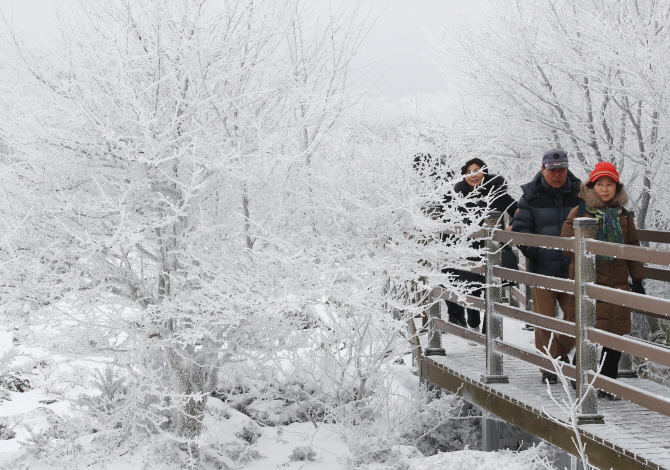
point(294, 446)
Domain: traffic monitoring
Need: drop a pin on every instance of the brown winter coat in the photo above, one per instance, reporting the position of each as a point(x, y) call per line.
point(614, 273)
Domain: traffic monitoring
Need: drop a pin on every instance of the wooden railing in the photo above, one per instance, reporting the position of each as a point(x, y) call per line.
point(586, 293)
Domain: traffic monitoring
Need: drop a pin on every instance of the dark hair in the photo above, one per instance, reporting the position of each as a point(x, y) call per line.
point(477, 161)
point(591, 184)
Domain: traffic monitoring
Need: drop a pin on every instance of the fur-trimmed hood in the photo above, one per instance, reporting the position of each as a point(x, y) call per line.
point(592, 200)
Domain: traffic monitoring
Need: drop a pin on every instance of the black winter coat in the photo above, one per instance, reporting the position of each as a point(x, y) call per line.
point(543, 210)
point(491, 185)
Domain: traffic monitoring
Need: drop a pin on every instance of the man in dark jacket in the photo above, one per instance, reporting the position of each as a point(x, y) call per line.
point(543, 208)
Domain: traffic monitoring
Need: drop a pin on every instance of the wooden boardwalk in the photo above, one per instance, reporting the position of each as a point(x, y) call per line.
point(631, 438)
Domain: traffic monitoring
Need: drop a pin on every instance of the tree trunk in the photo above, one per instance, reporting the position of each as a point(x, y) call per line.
point(188, 379)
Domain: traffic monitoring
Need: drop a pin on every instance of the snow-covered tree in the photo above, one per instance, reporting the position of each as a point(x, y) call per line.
point(179, 190)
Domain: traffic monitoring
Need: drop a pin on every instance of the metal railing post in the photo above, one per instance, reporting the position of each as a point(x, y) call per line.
point(585, 317)
point(494, 325)
point(434, 335)
point(490, 433)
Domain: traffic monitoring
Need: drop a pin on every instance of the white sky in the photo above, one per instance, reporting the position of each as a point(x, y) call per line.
point(398, 43)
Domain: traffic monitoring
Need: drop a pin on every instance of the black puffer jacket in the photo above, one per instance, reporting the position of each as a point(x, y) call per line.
point(492, 185)
point(543, 210)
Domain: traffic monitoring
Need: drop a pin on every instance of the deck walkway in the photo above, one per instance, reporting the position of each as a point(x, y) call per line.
point(631, 438)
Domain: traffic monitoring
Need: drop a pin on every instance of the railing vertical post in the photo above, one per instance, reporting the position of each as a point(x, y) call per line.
point(587, 355)
point(490, 434)
point(494, 325)
point(434, 335)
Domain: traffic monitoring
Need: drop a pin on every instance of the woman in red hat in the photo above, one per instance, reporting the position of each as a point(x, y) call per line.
point(604, 198)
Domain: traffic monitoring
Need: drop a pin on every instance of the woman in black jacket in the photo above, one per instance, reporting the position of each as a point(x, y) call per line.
point(484, 192)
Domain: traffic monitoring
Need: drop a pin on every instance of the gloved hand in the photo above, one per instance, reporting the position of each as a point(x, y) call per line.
point(637, 287)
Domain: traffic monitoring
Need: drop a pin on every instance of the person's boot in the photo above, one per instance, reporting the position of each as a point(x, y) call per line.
point(549, 378)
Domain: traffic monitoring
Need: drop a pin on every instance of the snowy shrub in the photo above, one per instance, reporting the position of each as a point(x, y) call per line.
point(13, 382)
point(59, 438)
point(302, 453)
point(422, 423)
point(250, 433)
point(5, 432)
point(268, 400)
point(444, 424)
point(240, 452)
point(112, 390)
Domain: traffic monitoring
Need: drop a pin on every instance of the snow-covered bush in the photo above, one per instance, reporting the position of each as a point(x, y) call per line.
point(302, 454)
point(14, 382)
point(425, 422)
point(444, 424)
point(250, 433)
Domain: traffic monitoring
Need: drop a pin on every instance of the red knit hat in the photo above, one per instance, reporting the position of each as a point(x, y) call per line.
point(604, 169)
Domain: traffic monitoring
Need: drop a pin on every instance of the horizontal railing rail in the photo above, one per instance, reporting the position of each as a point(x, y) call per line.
point(548, 282)
point(529, 239)
point(548, 323)
point(635, 395)
point(533, 358)
point(657, 274)
point(657, 354)
point(477, 234)
point(470, 300)
point(473, 268)
point(629, 252)
point(460, 331)
point(660, 307)
point(654, 236)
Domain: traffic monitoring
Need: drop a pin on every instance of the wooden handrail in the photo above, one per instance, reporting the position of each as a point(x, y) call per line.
point(654, 236)
point(657, 274)
point(543, 321)
point(547, 282)
point(531, 239)
point(629, 252)
point(478, 234)
point(630, 346)
point(533, 357)
point(661, 307)
point(472, 302)
point(459, 331)
point(635, 395)
point(473, 268)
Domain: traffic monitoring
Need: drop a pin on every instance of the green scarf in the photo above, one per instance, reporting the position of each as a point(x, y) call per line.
point(609, 228)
